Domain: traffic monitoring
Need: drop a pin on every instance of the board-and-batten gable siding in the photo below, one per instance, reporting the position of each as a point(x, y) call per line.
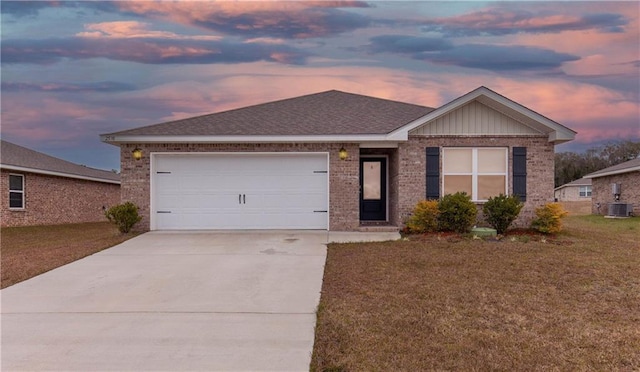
point(474, 118)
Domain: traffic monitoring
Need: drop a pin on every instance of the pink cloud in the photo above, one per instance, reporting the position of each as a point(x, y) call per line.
point(55, 119)
point(502, 19)
point(595, 112)
point(603, 53)
point(289, 19)
point(134, 29)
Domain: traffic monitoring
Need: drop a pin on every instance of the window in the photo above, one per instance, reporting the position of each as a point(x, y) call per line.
point(480, 172)
point(371, 180)
point(585, 191)
point(16, 191)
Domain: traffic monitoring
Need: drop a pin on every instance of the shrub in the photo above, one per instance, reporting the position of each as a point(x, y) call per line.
point(457, 212)
point(549, 218)
point(424, 217)
point(501, 211)
point(124, 216)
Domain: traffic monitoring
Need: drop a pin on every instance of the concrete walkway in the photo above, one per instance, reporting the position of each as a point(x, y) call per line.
point(174, 301)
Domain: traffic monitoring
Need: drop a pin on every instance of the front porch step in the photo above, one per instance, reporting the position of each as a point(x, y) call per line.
point(378, 228)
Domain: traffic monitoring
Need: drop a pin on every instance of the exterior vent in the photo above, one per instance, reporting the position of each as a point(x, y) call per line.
point(620, 209)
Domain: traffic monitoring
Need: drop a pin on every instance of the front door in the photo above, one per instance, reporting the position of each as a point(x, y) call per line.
point(373, 189)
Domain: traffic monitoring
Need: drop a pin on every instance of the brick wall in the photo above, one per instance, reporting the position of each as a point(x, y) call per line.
point(51, 200)
point(601, 192)
point(344, 209)
point(540, 169)
point(406, 173)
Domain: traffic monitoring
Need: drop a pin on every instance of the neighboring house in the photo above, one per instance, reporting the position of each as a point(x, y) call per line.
point(627, 176)
point(578, 190)
point(39, 189)
point(336, 161)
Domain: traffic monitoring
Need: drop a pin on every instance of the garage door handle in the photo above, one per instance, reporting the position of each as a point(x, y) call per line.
point(244, 199)
point(239, 198)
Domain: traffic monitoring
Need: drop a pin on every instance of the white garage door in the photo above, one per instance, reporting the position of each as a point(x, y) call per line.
point(239, 191)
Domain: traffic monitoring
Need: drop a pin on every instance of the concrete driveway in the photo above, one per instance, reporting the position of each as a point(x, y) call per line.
point(174, 301)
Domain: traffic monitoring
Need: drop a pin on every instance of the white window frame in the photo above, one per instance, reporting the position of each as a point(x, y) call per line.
point(584, 191)
point(16, 191)
point(474, 169)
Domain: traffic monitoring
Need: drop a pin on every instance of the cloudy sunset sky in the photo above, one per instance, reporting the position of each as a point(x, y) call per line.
point(74, 70)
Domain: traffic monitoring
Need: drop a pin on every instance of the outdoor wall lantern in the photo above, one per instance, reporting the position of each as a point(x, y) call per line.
point(343, 154)
point(137, 153)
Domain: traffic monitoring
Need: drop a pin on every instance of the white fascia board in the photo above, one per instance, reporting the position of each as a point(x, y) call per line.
point(379, 145)
point(613, 173)
point(558, 133)
point(115, 139)
point(57, 174)
point(556, 137)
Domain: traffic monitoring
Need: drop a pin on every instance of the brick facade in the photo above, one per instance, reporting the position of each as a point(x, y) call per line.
point(540, 170)
point(602, 195)
point(406, 175)
point(344, 182)
point(51, 200)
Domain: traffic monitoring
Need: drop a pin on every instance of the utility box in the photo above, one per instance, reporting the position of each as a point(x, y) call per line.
point(616, 188)
point(620, 209)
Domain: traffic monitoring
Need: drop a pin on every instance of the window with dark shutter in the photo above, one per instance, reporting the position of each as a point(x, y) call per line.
point(520, 172)
point(433, 173)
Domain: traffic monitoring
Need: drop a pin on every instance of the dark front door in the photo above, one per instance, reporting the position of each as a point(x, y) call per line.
point(373, 189)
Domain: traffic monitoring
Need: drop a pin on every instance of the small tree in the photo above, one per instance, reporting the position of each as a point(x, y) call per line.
point(500, 211)
point(124, 216)
point(424, 217)
point(549, 218)
point(457, 212)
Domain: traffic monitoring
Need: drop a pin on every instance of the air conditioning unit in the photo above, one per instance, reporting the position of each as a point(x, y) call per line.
point(620, 209)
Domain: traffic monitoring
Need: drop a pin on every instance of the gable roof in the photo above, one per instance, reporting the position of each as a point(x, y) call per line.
point(321, 114)
point(18, 158)
point(579, 182)
point(557, 133)
point(626, 167)
point(331, 116)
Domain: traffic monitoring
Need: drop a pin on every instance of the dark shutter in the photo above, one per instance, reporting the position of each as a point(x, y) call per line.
point(433, 172)
point(520, 172)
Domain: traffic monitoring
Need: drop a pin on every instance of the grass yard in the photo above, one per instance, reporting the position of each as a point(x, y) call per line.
point(524, 303)
point(29, 251)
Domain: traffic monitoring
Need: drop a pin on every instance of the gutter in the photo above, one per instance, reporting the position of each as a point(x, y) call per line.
point(58, 174)
point(612, 173)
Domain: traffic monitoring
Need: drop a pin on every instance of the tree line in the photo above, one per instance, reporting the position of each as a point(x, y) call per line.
point(571, 166)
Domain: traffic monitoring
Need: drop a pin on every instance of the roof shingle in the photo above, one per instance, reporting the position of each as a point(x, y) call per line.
point(18, 156)
point(327, 113)
point(627, 166)
point(578, 182)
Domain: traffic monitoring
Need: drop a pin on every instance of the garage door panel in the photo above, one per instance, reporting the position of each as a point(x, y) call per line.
point(186, 219)
point(292, 200)
point(236, 191)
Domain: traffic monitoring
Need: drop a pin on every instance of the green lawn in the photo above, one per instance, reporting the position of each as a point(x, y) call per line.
point(29, 251)
point(527, 302)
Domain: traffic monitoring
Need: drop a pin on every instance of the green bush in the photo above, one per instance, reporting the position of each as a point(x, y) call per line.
point(424, 217)
point(549, 218)
point(124, 216)
point(457, 212)
point(500, 211)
